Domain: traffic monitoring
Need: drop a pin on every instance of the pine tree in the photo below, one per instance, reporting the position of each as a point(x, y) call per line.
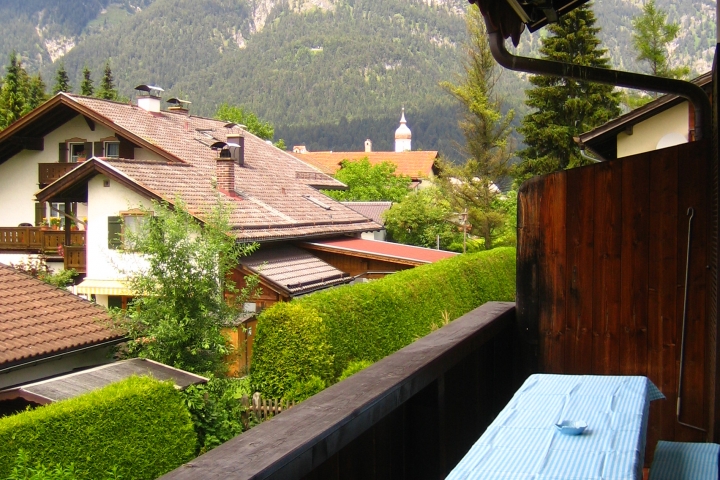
point(564, 108)
point(62, 81)
point(36, 93)
point(86, 87)
point(13, 93)
point(651, 36)
point(107, 89)
point(470, 187)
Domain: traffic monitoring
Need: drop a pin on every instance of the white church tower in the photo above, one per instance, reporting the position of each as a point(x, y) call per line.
point(403, 136)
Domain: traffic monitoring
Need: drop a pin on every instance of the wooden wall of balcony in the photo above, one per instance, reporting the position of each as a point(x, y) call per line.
point(601, 277)
point(49, 172)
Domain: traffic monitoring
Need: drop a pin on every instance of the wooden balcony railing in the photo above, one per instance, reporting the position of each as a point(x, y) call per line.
point(36, 240)
point(49, 172)
point(75, 258)
point(413, 414)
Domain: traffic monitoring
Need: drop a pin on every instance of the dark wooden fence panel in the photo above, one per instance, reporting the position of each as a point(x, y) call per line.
point(601, 275)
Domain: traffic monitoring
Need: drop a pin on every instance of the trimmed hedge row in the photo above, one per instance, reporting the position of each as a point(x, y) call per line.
point(372, 320)
point(138, 426)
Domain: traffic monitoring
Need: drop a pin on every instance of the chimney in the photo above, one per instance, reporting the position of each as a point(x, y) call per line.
point(150, 99)
point(178, 105)
point(236, 145)
point(225, 172)
point(368, 145)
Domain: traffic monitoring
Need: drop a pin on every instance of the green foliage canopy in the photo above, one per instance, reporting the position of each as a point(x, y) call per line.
point(564, 108)
point(652, 33)
point(138, 427)
point(180, 304)
point(369, 183)
point(419, 218)
point(242, 116)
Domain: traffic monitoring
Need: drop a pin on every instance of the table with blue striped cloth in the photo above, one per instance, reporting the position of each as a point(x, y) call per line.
point(523, 442)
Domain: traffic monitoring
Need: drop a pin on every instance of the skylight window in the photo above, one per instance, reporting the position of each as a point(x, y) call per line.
point(317, 202)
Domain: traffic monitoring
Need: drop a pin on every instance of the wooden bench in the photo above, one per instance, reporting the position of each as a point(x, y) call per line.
point(682, 460)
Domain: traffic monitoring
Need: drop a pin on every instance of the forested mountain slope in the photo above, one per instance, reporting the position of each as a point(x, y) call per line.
point(327, 73)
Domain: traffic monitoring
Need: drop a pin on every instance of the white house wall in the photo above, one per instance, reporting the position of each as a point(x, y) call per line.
point(648, 133)
point(103, 202)
point(19, 174)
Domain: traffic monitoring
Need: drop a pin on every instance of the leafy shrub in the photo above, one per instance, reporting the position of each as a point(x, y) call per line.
point(216, 410)
point(292, 345)
point(137, 428)
point(372, 320)
point(353, 368)
point(304, 389)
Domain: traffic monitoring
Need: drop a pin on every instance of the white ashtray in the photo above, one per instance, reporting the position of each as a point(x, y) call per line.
point(569, 427)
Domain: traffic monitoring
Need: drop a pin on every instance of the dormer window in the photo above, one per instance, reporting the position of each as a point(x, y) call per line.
point(112, 149)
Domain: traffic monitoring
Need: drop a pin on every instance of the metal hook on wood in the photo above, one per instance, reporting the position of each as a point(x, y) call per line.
point(691, 214)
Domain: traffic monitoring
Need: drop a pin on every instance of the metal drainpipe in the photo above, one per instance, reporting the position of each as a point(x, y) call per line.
point(688, 90)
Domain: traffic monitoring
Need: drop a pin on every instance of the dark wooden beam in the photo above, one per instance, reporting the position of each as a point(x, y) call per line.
point(90, 122)
point(28, 143)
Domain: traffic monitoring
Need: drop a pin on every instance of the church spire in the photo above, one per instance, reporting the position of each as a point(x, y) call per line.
point(403, 135)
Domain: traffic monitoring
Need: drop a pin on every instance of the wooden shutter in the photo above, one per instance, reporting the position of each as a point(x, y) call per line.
point(88, 150)
point(127, 149)
point(114, 232)
point(39, 213)
point(63, 154)
point(98, 150)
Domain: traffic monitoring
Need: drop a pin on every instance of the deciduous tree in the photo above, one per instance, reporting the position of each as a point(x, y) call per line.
point(564, 108)
point(242, 116)
point(420, 217)
point(183, 294)
point(370, 183)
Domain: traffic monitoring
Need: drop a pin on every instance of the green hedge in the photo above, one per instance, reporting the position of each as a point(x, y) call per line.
point(291, 343)
point(139, 427)
point(372, 320)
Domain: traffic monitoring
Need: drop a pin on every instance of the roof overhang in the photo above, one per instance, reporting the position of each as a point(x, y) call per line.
point(73, 186)
point(511, 17)
point(603, 139)
point(28, 131)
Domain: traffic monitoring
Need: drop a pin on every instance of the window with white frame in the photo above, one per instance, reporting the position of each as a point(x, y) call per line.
point(122, 228)
point(112, 149)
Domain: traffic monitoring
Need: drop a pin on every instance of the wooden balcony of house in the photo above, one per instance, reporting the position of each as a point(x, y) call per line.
point(49, 172)
point(39, 240)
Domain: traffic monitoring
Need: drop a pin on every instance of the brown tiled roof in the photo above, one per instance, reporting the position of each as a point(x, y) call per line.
point(294, 270)
point(415, 165)
point(37, 319)
point(372, 210)
point(274, 191)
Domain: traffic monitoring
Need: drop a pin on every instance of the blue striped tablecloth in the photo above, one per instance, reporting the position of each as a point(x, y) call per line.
point(523, 442)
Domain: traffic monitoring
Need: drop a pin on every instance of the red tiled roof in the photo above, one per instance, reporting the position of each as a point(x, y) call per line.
point(274, 189)
point(372, 210)
point(418, 164)
point(386, 249)
point(294, 270)
point(37, 319)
